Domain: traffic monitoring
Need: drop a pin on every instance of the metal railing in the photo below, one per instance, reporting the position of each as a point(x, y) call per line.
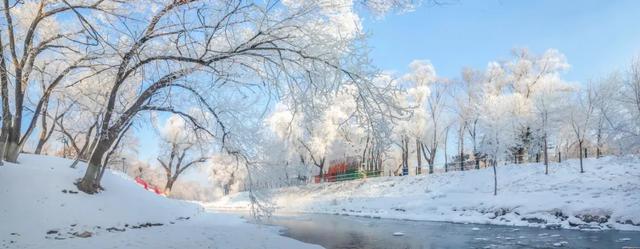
point(351, 176)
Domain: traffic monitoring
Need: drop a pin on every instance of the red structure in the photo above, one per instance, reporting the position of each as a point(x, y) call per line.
point(337, 168)
point(148, 186)
point(142, 182)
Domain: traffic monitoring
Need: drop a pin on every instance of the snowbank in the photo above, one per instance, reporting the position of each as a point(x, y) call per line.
point(607, 196)
point(40, 208)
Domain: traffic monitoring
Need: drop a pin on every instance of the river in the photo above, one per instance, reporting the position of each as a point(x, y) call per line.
point(348, 232)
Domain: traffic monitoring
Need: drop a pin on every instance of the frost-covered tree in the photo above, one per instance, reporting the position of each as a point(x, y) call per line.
point(605, 113)
point(330, 130)
point(468, 95)
point(428, 96)
point(412, 130)
point(549, 103)
point(183, 149)
point(525, 77)
point(51, 39)
point(188, 48)
point(496, 120)
point(79, 124)
point(624, 118)
point(48, 122)
point(227, 174)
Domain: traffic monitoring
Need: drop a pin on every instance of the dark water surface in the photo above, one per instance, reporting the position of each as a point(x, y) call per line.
point(347, 232)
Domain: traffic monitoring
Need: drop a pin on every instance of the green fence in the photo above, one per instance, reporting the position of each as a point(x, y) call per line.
point(352, 175)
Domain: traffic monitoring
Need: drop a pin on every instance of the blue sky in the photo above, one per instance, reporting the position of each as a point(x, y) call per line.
point(597, 37)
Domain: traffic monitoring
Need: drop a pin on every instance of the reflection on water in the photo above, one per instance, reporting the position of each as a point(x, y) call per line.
point(346, 232)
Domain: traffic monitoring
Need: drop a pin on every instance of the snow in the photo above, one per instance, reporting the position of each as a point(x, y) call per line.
point(606, 196)
point(560, 244)
point(36, 213)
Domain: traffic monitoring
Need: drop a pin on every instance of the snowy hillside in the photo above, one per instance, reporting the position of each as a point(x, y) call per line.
point(606, 196)
point(41, 209)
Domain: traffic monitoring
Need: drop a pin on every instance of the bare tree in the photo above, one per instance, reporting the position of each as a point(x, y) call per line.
point(467, 106)
point(184, 148)
point(33, 48)
point(178, 163)
point(46, 130)
point(78, 125)
point(580, 118)
point(436, 127)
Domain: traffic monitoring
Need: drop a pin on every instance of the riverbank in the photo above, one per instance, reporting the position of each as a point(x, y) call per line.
point(41, 208)
point(606, 196)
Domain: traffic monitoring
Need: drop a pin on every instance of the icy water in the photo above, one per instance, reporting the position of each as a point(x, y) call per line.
point(347, 232)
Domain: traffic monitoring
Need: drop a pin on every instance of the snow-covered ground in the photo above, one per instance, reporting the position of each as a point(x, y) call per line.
point(606, 196)
point(40, 208)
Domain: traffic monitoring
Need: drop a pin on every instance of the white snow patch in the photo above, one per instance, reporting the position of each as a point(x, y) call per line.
point(41, 209)
point(606, 196)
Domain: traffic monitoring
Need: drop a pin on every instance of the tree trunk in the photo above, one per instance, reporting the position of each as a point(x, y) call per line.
point(405, 161)
point(419, 157)
point(546, 156)
point(321, 166)
point(12, 147)
point(559, 156)
point(599, 143)
point(41, 142)
point(446, 161)
point(364, 163)
point(89, 183)
point(476, 155)
point(585, 153)
point(43, 130)
point(432, 159)
point(3, 142)
point(6, 112)
point(446, 136)
point(43, 138)
point(461, 149)
point(495, 179)
point(580, 149)
point(80, 154)
point(103, 169)
point(75, 162)
point(169, 186)
point(91, 147)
